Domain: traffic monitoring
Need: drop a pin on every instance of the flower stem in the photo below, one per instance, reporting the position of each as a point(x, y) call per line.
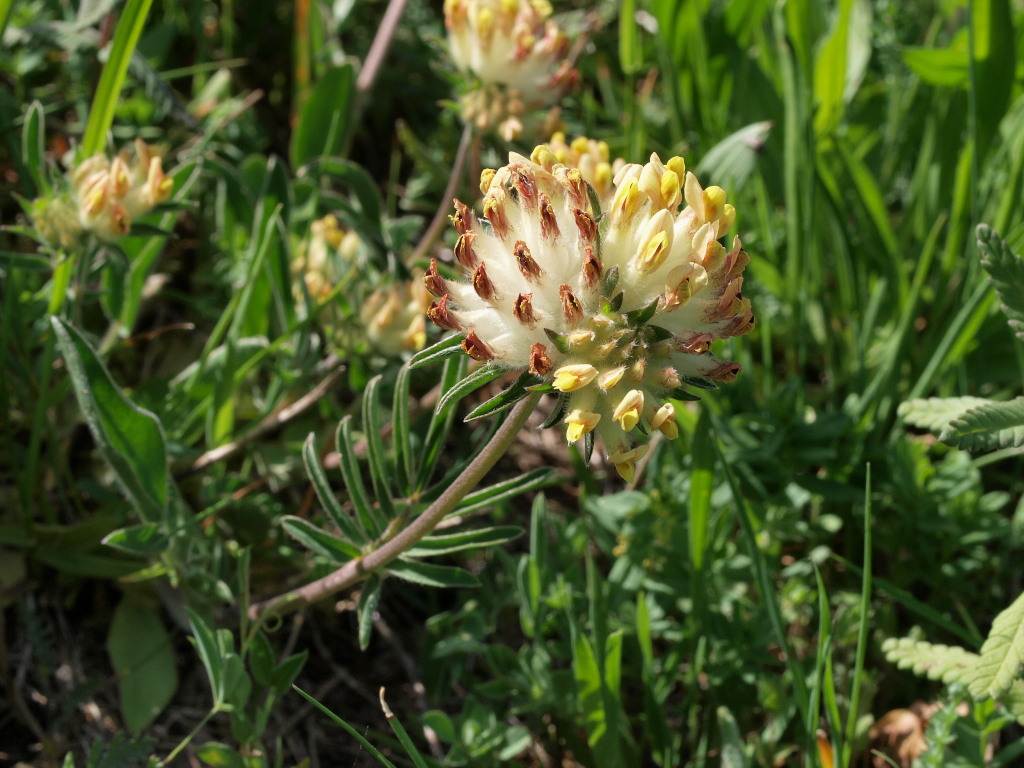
point(355, 571)
point(437, 223)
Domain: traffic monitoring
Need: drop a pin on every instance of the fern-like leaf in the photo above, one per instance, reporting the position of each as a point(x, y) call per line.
point(1001, 655)
point(1013, 700)
point(947, 663)
point(988, 427)
point(936, 413)
point(1006, 269)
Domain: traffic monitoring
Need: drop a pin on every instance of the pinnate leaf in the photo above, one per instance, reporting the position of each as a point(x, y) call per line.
point(988, 427)
point(1002, 654)
point(948, 663)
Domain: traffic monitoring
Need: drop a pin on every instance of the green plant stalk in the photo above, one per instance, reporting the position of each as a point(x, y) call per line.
point(188, 738)
point(862, 630)
point(356, 570)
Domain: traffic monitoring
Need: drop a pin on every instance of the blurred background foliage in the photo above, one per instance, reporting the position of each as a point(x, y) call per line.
point(708, 616)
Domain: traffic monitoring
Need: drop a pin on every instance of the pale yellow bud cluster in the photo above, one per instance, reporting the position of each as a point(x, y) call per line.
point(56, 220)
point(617, 311)
point(111, 194)
point(591, 158)
point(393, 317)
point(318, 262)
point(517, 54)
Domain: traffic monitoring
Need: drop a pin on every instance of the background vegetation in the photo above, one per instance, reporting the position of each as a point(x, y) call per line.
point(731, 609)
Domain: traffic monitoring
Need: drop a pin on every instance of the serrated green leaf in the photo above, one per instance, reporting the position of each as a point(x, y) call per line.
point(987, 427)
point(1006, 269)
point(1002, 654)
point(317, 540)
point(935, 413)
point(946, 663)
point(1013, 700)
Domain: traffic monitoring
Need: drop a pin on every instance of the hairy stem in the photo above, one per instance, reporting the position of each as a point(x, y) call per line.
point(356, 570)
point(437, 223)
point(380, 45)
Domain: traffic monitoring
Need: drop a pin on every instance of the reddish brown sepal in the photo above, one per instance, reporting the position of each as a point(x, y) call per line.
point(540, 361)
point(440, 314)
point(474, 346)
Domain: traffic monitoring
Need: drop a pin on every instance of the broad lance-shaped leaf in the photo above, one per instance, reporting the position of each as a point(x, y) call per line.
point(988, 427)
point(141, 653)
point(129, 437)
point(948, 663)
point(936, 413)
point(1006, 269)
point(1002, 655)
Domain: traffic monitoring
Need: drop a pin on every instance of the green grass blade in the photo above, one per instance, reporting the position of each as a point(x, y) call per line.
point(372, 750)
point(862, 631)
point(400, 732)
point(126, 37)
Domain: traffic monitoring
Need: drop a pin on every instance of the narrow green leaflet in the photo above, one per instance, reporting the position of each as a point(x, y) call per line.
point(318, 540)
point(143, 659)
point(701, 478)
point(948, 663)
point(403, 736)
point(429, 575)
point(1002, 654)
point(1006, 269)
point(437, 351)
point(481, 538)
point(129, 437)
point(323, 490)
point(32, 138)
point(988, 427)
point(369, 599)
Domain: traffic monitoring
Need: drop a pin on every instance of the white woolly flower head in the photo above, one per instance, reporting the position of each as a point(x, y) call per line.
point(516, 51)
point(112, 193)
point(616, 308)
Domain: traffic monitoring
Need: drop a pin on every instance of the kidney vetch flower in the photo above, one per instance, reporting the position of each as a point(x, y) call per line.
point(112, 193)
point(616, 308)
point(516, 51)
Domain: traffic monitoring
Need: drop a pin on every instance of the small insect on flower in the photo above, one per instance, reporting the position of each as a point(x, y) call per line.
point(111, 194)
point(617, 314)
point(516, 51)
